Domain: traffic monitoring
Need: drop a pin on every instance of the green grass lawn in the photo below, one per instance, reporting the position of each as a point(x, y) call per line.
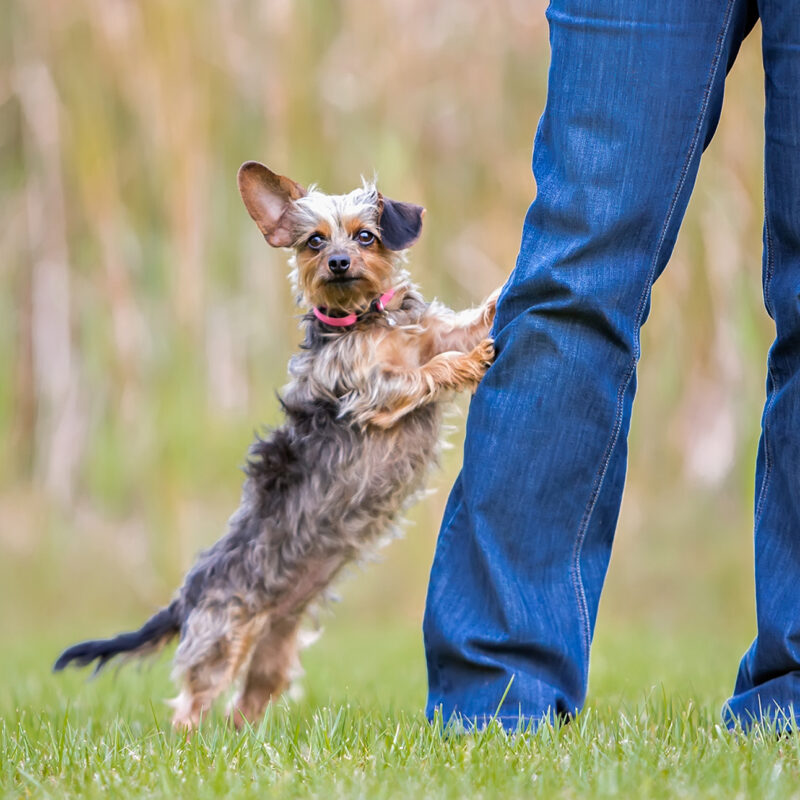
point(358, 731)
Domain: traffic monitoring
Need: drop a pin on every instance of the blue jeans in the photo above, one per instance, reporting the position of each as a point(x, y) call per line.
point(634, 96)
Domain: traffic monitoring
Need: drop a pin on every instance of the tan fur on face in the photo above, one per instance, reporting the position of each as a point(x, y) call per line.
point(373, 267)
point(339, 218)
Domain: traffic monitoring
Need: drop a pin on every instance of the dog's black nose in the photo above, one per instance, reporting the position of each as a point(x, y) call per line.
point(339, 263)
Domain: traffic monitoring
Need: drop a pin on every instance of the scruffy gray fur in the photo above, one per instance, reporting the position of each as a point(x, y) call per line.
point(362, 428)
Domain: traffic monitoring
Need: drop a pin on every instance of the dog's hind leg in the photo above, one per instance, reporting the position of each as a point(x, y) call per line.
point(271, 667)
point(217, 644)
point(275, 654)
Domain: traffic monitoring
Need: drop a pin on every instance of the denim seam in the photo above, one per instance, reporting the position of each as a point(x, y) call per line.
point(769, 270)
point(583, 608)
point(448, 522)
point(770, 266)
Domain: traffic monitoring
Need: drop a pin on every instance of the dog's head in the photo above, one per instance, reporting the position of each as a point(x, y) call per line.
point(346, 246)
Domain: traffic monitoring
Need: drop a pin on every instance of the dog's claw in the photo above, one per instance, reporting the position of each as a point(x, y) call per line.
point(485, 352)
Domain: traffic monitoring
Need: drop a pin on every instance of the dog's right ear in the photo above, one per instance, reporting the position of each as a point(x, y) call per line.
point(267, 197)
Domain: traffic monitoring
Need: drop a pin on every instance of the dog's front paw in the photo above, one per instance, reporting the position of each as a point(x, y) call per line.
point(473, 365)
point(483, 352)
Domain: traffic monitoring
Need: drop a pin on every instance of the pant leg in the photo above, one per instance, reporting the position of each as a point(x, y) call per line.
point(768, 684)
point(635, 89)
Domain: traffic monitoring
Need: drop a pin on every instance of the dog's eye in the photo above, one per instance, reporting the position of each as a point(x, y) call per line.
point(316, 242)
point(365, 237)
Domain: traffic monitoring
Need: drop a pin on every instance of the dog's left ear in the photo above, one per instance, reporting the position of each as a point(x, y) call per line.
point(400, 223)
point(268, 197)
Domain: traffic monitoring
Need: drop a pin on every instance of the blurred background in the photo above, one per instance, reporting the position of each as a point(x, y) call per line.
point(145, 325)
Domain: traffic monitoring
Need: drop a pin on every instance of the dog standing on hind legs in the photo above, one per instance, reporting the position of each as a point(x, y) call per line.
point(363, 416)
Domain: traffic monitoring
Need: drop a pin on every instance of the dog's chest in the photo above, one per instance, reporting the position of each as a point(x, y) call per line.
point(397, 460)
point(356, 481)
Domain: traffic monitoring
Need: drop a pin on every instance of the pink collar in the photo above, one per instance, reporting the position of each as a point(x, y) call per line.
point(351, 319)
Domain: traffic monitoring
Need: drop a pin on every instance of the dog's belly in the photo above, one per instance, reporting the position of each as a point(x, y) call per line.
point(371, 482)
point(357, 481)
point(318, 493)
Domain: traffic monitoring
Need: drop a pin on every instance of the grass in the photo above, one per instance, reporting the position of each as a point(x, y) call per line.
point(358, 732)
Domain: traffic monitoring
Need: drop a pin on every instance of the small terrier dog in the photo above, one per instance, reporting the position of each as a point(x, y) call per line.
point(362, 427)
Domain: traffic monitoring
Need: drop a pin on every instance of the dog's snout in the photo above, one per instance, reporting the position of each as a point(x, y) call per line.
point(339, 263)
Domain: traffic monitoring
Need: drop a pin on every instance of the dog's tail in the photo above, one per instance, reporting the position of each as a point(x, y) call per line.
point(155, 633)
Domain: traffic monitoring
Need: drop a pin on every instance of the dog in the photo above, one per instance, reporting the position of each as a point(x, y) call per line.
point(363, 416)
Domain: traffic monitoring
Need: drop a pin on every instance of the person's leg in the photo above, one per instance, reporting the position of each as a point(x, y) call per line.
point(635, 89)
point(768, 684)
